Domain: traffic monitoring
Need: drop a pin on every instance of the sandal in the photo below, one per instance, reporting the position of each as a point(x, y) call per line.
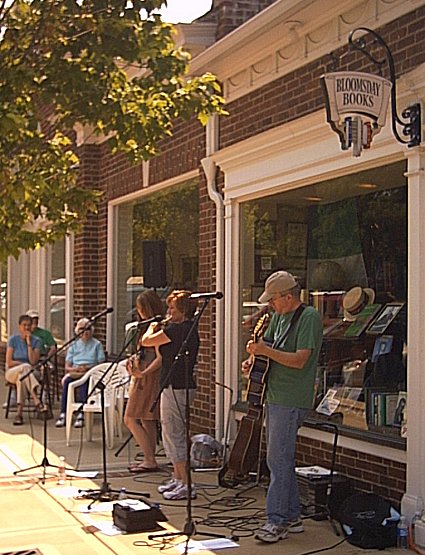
point(43, 412)
point(140, 469)
point(18, 420)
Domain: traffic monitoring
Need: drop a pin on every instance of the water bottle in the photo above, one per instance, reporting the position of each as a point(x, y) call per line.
point(122, 494)
point(61, 471)
point(416, 518)
point(403, 534)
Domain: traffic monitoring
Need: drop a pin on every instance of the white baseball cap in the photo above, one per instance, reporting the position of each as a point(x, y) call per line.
point(279, 282)
point(32, 313)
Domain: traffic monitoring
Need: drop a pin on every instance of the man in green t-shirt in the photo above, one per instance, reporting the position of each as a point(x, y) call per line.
point(48, 344)
point(293, 352)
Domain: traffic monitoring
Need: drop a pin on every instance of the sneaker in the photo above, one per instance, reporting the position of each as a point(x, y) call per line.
point(271, 533)
point(180, 492)
point(60, 422)
point(79, 423)
point(295, 526)
point(170, 485)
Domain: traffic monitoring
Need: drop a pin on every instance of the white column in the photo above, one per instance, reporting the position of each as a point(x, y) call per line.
point(231, 331)
point(415, 487)
point(39, 283)
point(19, 274)
point(69, 286)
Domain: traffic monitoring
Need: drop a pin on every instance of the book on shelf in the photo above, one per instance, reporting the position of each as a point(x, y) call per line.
point(382, 407)
point(400, 415)
point(362, 321)
point(383, 346)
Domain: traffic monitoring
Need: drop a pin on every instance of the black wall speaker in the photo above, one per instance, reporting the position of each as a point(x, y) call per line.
point(154, 267)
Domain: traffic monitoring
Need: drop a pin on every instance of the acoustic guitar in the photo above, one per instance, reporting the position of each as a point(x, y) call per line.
point(257, 379)
point(244, 455)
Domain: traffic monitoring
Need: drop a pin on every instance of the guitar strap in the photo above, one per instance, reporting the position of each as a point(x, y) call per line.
point(294, 320)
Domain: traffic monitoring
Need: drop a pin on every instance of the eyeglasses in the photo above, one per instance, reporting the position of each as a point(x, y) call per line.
point(81, 330)
point(279, 295)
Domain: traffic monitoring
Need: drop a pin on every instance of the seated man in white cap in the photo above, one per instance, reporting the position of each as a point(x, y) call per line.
point(48, 344)
point(82, 355)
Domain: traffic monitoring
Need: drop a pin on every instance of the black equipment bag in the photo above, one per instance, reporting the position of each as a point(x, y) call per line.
point(361, 517)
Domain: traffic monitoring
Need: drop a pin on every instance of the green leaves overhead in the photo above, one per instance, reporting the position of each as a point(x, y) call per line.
point(110, 65)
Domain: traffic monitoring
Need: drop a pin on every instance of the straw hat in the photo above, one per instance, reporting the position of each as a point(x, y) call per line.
point(355, 300)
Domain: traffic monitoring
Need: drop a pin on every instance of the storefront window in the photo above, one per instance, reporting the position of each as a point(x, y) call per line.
point(157, 247)
point(57, 292)
point(336, 235)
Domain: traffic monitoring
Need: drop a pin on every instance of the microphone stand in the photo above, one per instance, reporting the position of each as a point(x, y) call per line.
point(105, 492)
point(189, 528)
point(45, 384)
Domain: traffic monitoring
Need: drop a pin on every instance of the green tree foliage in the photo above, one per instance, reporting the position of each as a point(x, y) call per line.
point(110, 66)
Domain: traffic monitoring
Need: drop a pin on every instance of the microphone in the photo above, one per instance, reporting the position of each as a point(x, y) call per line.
point(216, 295)
point(157, 318)
point(100, 314)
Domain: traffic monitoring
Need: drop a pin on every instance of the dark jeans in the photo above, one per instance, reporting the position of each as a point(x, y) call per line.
point(82, 392)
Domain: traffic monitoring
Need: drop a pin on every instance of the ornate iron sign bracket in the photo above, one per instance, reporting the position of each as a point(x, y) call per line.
point(410, 120)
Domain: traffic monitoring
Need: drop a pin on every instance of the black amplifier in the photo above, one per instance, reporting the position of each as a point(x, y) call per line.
point(137, 517)
point(313, 495)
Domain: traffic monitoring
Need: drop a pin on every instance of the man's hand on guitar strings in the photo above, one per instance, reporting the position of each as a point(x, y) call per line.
point(256, 347)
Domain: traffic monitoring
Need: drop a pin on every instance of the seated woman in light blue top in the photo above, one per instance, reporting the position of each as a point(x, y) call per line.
point(82, 355)
point(22, 354)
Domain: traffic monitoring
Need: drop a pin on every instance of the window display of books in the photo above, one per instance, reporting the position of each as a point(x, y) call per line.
point(387, 409)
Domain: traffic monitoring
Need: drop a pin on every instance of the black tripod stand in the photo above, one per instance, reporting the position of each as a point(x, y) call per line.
point(105, 492)
point(45, 386)
point(189, 528)
point(325, 510)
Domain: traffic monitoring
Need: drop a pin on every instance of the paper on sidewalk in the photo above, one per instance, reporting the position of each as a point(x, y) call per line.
point(206, 545)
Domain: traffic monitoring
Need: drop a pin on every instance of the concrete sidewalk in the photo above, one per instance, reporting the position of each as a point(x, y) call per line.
point(232, 512)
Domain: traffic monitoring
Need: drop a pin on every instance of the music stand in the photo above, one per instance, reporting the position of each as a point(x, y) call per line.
point(189, 528)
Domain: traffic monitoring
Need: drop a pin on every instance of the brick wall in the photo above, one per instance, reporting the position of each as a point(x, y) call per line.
point(179, 154)
point(230, 14)
point(204, 409)
point(367, 473)
point(90, 247)
point(299, 93)
point(119, 177)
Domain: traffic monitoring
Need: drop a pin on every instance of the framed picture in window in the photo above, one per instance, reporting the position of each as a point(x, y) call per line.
point(384, 319)
point(296, 239)
point(362, 320)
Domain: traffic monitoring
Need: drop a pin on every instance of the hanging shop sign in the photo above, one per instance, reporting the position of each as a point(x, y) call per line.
point(356, 106)
point(357, 102)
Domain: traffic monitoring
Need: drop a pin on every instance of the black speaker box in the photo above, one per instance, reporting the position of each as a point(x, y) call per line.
point(154, 266)
point(313, 493)
point(132, 520)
